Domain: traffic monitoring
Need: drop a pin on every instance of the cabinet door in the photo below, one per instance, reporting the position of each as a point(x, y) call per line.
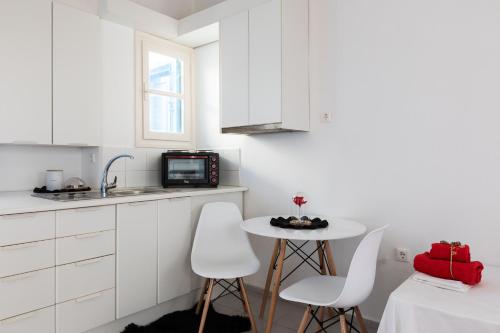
point(25, 67)
point(136, 257)
point(174, 248)
point(234, 70)
point(265, 63)
point(77, 77)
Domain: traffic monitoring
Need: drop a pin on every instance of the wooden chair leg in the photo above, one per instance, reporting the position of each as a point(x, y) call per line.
point(246, 304)
point(269, 279)
point(321, 317)
point(360, 319)
point(276, 287)
point(207, 304)
point(305, 319)
point(202, 296)
point(343, 323)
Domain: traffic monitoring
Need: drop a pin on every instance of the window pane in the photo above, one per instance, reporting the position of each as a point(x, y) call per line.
point(166, 114)
point(165, 73)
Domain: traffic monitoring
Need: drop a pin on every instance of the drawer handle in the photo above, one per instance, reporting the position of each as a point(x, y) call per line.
point(20, 216)
point(19, 277)
point(87, 209)
point(18, 247)
point(139, 203)
point(87, 298)
point(18, 318)
point(88, 262)
point(85, 236)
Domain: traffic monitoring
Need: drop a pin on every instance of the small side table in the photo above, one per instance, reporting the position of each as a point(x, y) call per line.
point(290, 239)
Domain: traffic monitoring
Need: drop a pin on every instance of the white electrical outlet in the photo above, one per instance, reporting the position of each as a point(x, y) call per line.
point(326, 117)
point(402, 254)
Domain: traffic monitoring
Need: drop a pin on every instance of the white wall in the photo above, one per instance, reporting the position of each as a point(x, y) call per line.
point(23, 167)
point(413, 88)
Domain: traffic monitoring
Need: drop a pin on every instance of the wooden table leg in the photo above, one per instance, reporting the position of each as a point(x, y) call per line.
point(321, 312)
point(276, 287)
point(329, 256)
point(269, 278)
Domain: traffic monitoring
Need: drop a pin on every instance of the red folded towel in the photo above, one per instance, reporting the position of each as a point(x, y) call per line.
point(443, 251)
point(468, 273)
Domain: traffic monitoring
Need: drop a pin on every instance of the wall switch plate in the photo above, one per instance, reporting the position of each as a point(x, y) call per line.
point(326, 117)
point(402, 254)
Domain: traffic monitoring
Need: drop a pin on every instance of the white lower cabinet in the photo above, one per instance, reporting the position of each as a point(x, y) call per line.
point(80, 247)
point(84, 313)
point(137, 257)
point(22, 258)
point(40, 321)
point(26, 292)
point(84, 277)
point(174, 248)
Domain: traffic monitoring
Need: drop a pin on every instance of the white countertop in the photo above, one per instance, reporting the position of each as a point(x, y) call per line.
point(23, 202)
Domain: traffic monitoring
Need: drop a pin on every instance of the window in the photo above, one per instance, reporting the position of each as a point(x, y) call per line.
point(164, 115)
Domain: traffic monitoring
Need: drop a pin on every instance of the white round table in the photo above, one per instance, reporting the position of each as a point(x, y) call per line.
point(288, 239)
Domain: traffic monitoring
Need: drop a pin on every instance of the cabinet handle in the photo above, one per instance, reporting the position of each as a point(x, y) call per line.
point(18, 318)
point(87, 298)
point(139, 203)
point(19, 216)
point(87, 209)
point(24, 142)
point(77, 144)
point(85, 236)
point(19, 277)
point(88, 262)
point(19, 247)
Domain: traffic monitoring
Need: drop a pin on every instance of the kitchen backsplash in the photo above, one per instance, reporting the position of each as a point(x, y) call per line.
point(144, 169)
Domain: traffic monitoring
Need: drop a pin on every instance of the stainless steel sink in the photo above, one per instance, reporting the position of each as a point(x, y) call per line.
point(118, 193)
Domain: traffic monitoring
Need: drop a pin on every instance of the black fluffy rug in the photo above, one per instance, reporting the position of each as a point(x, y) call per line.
point(188, 322)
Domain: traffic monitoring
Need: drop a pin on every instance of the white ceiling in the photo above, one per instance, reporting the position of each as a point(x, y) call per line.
point(177, 8)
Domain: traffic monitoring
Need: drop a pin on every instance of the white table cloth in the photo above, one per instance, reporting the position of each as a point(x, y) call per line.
point(419, 308)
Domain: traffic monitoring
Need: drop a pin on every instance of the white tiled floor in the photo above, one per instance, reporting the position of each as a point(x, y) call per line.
point(287, 318)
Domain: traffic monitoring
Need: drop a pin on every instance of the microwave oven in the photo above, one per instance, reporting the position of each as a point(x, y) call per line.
point(190, 169)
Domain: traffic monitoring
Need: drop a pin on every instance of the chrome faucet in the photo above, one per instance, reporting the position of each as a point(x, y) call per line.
point(104, 181)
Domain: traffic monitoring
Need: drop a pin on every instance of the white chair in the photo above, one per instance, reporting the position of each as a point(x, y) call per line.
point(221, 252)
point(342, 294)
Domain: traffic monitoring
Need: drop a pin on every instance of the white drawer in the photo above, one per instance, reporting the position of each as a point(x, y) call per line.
point(23, 228)
point(84, 220)
point(85, 313)
point(26, 257)
point(26, 292)
point(86, 246)
point(84, 278)
point(41, 321)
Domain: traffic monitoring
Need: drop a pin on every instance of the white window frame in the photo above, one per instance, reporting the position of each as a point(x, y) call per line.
point(145, 137)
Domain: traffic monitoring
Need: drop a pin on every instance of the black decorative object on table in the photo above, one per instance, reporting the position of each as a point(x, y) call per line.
point(43, 189)
point(294, 223)
point(188, 321)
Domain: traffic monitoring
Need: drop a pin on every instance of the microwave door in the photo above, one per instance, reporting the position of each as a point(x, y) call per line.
point(187, 170)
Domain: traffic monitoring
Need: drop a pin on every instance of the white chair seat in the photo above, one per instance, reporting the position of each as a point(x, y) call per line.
point(319, 290)
point(226, 268)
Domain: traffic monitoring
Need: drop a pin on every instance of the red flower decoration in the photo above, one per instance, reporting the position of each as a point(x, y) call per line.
point(299, 200)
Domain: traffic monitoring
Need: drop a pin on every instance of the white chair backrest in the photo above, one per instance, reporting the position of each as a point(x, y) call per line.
point(219, 234)
point(361, 275)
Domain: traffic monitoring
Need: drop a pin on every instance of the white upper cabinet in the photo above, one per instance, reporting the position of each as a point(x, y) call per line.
point(234, 70)
point(273, 95)
point(25, 72)
point(265, 63)
point(77, 113)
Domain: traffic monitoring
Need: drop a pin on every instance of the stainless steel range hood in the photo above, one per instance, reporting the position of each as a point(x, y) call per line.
point(258, 129)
